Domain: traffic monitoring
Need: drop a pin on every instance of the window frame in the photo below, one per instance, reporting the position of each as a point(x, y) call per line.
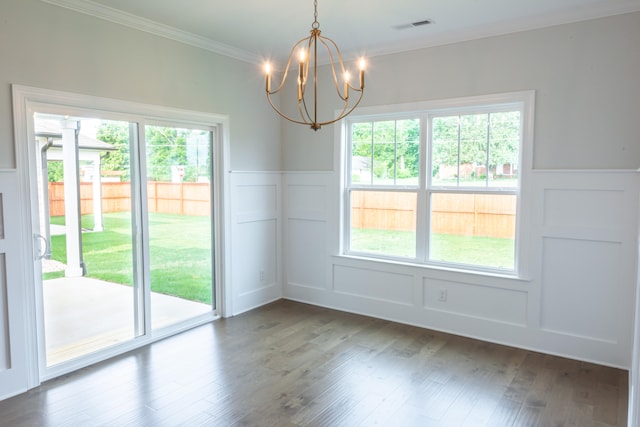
point(426, 111)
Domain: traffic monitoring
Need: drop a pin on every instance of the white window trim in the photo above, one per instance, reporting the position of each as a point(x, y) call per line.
point(482, 103)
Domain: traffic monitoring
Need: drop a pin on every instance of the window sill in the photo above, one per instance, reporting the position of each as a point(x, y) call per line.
point(432, 270)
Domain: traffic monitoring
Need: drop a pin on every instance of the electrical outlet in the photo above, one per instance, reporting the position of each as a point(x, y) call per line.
point(262, 275)
point(442, 295)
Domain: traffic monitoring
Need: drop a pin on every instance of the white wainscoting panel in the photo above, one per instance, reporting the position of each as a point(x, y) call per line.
point(377, 285)
point(582, 208)
point(583, 291)
point(588, 241)
point(576, 300)
point(13, 340)
point(257, 261)
point(306, 200)
point(481, 302)
point(306, 253)
point(256, 234)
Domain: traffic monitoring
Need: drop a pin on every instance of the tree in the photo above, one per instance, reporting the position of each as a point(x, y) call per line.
point(165, 147)
point(476, 139)
point(116, 134)
point(392, 147)
point(54, 171)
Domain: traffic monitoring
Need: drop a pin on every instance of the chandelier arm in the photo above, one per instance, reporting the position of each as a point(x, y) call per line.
point(316, 33)
point(286, 69)
point(346, 110)
point(343, 114)
point(302, 103)
point(324, 41)
point(317, 125)
point(304, 112)
point(284, 116)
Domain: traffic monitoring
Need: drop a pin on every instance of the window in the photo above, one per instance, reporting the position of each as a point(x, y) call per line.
point(384, 174)
point(437, 185)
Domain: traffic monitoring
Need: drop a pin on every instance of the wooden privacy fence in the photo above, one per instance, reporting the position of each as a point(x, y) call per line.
point(490, 215)
point(187, 198)
point(468, 214)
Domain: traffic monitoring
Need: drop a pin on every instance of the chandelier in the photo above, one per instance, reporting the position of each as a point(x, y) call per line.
point(307, 55)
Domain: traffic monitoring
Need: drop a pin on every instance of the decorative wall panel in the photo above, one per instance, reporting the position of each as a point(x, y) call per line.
point(256, 234)
point(483, 302)
point(582, 288)
point(307, 253)
point(374, 284)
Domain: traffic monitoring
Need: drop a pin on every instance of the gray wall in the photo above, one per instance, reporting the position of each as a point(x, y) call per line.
point(586, 77)
point(53, 48)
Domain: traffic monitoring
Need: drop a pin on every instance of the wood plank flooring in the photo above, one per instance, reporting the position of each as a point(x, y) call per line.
point(291, 364)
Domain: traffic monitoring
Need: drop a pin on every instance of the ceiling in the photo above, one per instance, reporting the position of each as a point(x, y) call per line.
point(256, 30)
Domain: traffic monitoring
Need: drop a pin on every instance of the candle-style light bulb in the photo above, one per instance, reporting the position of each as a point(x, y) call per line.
point(362, 64)
point(302, 56)
point(346, 84)
point(267, 70)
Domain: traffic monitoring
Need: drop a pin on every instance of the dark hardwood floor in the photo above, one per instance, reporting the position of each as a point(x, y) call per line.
point(291, 364)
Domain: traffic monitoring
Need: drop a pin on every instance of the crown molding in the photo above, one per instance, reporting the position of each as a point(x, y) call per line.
point(91, 8)
point(600, 10)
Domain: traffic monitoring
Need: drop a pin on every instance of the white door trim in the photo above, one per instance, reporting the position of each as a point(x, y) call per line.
point(26, 101)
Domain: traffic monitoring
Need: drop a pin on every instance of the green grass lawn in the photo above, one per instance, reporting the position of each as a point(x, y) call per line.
point(181, 257)
point(180, 253)
point(472, 250)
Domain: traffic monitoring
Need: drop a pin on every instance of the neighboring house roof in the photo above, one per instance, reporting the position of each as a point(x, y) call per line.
point(360, 162)
point(50, 129)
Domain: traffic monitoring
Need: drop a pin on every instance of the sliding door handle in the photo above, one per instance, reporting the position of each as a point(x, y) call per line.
point(39, 242)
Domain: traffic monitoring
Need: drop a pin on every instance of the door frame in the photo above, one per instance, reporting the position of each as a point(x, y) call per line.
point(28, 100)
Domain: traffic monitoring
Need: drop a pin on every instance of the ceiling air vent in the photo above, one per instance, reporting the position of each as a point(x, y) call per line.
point(421, 23)
point(413, 24)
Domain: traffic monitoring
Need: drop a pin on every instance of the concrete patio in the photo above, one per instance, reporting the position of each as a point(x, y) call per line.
point(83, 315)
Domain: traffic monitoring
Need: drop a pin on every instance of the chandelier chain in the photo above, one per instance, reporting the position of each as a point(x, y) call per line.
point(315, 24)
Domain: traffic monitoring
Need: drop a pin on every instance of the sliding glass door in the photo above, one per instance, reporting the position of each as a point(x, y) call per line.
point(178, 170)
point(125, 230)
point(91, 296)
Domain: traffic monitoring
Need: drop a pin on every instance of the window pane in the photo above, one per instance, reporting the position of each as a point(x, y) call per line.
point(361, 150)
point(444, 151)
point(473, 150)
point(180, 238)
point(407, 152)
point(385, 152)
point(504, 146)
point(462, 145)
point(384, 222)
point(474, 229)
